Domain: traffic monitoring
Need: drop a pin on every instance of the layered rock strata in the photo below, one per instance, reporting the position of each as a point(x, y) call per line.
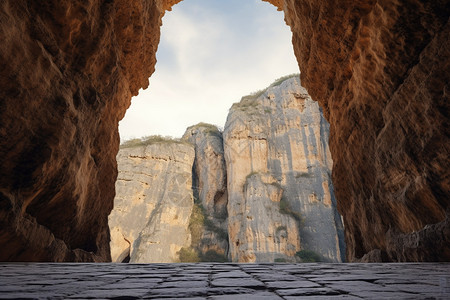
point(281, 197)
point(153, 203)
point(379, 69)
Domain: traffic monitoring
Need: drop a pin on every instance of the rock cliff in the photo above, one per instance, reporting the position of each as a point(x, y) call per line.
point(281, 197)
point(379, 69)
point(153, 203)
point(210, 189)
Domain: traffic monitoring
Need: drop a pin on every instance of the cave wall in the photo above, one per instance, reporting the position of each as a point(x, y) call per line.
point(68, 70)
point(380, 70)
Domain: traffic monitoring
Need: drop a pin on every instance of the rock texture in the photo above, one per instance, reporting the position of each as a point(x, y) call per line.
point(210, 187)
point(67, 72)
point(379, 69)
point(281, 197)
point(153, 203)
point(229, 281)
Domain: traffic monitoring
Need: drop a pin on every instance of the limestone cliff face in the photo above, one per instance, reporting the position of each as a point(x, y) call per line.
point(379, 69)
point(279, 168)
point(210, 187)
point(153, 203)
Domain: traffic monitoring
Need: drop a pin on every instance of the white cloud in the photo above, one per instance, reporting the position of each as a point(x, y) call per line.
point(208, 58)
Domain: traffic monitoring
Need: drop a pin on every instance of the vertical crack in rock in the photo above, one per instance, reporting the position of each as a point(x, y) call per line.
point(281, 197)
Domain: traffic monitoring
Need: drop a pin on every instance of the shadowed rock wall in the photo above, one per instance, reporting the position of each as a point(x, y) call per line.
point(67, 72)
point(379, 69)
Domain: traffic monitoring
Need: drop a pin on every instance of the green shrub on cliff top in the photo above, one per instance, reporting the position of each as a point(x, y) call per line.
point(249, 101)
point(149, 140)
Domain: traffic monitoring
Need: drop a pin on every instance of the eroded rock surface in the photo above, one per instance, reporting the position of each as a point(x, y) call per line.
point(153, 203)
point(210, 188)
point(381, 72)
point(281, 197)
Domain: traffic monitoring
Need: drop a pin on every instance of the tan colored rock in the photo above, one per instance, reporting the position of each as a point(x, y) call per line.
point(379, 69)
point(210, 188)
point(381, 72)
point(280, 134)
point(153, 204)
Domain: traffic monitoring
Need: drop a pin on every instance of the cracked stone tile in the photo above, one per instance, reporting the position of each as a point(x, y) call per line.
point(176, 293)
point(357, 286)
point(256, 296)
point(327, 297)
point(184, 284)
point(307, 292)
point(292, 284)
point(111, 294)
point(243, 282)
point(232, 274)
point(386, 295)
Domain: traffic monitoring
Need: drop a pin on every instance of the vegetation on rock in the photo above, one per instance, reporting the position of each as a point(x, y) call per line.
point(309, 256)
point(197, 225)
point(249, 101)
point(149, 140)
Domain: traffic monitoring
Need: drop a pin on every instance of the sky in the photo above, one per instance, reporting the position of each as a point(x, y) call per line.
point(211, 53)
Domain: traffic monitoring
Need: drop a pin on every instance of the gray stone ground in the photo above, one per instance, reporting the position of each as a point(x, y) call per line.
point(224, 281)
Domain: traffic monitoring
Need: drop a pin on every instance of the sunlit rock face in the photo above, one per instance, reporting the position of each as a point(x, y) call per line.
point(153, 203)
point(281, 197)
point(379, 69)
point(210, 187)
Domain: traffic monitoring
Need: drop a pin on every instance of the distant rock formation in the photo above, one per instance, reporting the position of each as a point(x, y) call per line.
point(281, 198)
point(153, 203)
point(210, 189)
point(262, 192)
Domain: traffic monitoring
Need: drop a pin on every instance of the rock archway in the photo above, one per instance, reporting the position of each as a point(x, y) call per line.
point(379, 69)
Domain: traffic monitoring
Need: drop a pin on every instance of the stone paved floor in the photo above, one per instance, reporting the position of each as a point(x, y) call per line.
point(224, 281)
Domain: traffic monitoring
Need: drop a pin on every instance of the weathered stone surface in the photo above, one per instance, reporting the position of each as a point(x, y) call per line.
point(224, 281)
point(67, 72)
point(210, 187)
point(379, 69)
point(279, 185)
point(153, 203)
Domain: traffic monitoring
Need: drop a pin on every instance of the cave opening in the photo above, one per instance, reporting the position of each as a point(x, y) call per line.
point(221, 51)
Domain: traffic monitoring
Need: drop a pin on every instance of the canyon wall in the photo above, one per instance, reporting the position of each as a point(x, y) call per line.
point(379, 69)
point(281, 197)
point(153, 203)
point(260, 192)
point(210, 190)
point(67, 72)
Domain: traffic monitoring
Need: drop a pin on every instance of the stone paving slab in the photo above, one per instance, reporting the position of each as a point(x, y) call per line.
point(224, 281)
